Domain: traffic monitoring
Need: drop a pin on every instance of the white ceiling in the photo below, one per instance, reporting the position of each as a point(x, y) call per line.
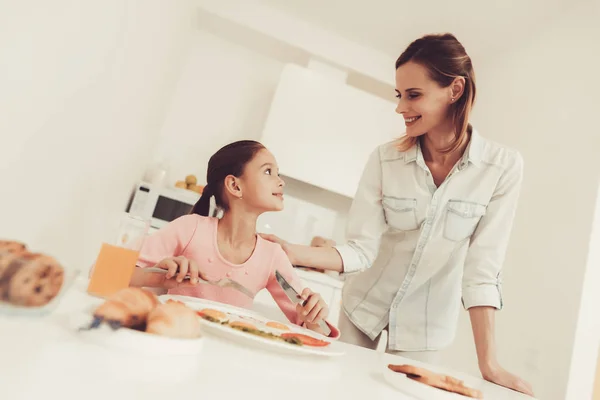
point(485, 27)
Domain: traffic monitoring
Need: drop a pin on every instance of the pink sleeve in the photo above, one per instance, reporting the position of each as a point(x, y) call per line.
point(282, 264)
point(169, 241)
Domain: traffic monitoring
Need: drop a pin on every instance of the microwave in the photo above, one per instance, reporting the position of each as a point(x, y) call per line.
point(161, 205)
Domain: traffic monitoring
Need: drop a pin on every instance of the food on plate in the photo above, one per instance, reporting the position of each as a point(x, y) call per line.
point(277, 325)
point(5, 260)
point(305, 339)
point(248, 328)
point(196, 188)
point(220, 318)
point(28, 279)
point(9, 251)
point(128, 307)
point(175, 320)
point(190, 183)
point(242, 325)
point(439, 381)
point(191, 180)
point(212, 315)
point(12, 247)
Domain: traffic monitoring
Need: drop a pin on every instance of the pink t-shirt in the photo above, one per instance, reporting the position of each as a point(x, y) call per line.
point(195, 237)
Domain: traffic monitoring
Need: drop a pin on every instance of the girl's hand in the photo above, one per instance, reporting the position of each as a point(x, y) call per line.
point(179, 267)
point(314, 309)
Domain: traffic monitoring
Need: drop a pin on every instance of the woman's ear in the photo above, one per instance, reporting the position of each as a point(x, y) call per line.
point(232, 186)
point(457, 88)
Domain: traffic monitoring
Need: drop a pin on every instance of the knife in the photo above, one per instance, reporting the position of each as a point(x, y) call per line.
point(297, 299)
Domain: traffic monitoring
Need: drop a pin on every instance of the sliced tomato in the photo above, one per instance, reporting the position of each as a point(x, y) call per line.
point(305, 339)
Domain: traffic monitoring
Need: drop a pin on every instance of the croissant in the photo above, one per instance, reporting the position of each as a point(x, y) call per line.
point(174, 320)
point(127, 308)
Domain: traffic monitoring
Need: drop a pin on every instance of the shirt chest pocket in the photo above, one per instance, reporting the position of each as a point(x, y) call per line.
point(401, 213)
point(462, 218)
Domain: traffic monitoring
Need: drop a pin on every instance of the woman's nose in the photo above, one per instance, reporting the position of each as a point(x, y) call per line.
point(401, 107)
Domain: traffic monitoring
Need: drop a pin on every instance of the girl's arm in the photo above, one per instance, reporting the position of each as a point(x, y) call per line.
point(291, 311)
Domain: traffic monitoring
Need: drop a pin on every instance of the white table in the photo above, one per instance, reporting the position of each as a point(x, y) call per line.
point(42, 358)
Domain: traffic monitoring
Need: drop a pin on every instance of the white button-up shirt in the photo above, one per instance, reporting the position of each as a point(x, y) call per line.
point(414, 249)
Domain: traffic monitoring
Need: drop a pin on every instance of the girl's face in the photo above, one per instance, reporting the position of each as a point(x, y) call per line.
point(261, 187)
point(421, 101)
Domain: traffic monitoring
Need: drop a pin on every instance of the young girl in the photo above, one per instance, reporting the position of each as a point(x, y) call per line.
point(243, 178)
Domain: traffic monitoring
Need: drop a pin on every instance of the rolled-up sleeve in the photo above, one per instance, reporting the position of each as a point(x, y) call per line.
point(366, 220)
point(483, 265)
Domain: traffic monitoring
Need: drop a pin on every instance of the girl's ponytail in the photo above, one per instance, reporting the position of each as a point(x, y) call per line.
point(202, 206)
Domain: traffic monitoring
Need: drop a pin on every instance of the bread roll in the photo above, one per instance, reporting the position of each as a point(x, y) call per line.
point(28, 279)
point(128, 307)
point(12, 247)
point(191, 180)
point(174, 320)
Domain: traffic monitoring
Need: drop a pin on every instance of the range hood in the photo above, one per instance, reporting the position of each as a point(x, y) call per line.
point(322, 130)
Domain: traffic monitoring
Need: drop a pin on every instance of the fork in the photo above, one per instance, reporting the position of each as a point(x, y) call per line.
point(224, 282)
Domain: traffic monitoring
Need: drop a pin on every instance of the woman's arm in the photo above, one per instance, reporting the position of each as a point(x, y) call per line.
point(366, 224)
point(312, 257)
point(481, 288)
point(482, 323)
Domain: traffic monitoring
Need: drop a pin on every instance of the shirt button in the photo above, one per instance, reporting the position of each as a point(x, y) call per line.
point(210, 260)
point(228, 274)
point(245, 272)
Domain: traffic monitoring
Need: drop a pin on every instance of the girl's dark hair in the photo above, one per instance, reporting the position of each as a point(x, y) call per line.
point(445, 59)
point(229, 160)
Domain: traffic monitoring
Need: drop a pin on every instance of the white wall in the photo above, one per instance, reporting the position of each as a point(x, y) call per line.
point(84, 86)
point(223, 94)
point(543, 100)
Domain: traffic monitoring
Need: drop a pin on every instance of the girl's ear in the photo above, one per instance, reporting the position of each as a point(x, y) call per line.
point(232, 186)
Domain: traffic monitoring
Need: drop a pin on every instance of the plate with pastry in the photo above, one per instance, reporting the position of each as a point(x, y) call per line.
point(30, 283)
point(425, 384)
point(134, 319)
point(248, 328)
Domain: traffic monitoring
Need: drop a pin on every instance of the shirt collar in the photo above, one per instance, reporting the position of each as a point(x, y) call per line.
point(473, 152)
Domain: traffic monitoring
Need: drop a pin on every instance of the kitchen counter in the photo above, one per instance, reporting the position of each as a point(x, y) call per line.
point(44, 357)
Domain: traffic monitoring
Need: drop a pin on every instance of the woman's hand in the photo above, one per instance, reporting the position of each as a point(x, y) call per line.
point(286, 246)
point(498, 375)
point(313, 311)
point(323, 257)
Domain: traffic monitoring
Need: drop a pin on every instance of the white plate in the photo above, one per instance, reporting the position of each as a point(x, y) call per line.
point(130, 340)
point(417, 389)
point(334, 349)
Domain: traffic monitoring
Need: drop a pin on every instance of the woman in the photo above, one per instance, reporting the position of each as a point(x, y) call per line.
point(430, 221)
